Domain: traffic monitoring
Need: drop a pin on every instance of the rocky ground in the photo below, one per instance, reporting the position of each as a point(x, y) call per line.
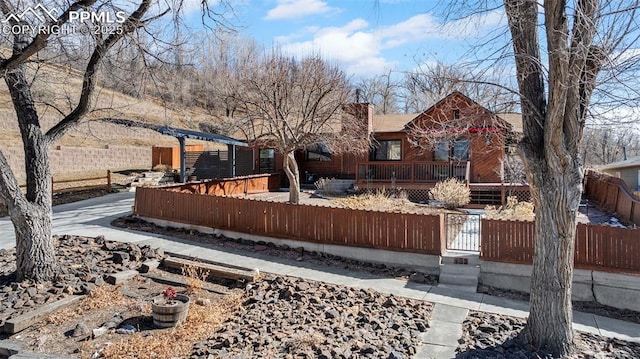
point(284, 317)
point(282, 251)
point(488, 335)
point(84, 262)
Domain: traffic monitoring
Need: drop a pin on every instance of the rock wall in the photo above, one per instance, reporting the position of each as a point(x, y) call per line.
point(66, 160)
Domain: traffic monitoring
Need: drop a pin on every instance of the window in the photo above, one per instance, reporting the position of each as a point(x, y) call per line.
point(317, 152)
point(458, 151)
point(390, 150)
point(456, 114)
point(267, 162)
point(441, 151)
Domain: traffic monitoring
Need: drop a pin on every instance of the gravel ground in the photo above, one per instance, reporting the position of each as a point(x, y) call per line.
point(83, 261)
point(285, 317)
point(488, 335)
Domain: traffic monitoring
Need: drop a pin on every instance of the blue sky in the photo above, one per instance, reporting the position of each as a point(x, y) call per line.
point(366, 37)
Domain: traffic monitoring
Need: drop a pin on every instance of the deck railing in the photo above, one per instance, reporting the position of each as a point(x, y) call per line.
point(411, 172)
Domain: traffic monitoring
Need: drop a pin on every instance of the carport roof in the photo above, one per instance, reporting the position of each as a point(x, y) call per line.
point(179, 132)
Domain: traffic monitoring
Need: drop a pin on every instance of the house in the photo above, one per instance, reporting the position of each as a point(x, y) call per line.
point(627, 170)
point(472, 148)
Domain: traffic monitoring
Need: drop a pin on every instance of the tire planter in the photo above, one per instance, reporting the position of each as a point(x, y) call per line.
point(169, 315)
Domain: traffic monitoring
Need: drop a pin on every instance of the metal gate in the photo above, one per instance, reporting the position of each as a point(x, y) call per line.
point(462, 231)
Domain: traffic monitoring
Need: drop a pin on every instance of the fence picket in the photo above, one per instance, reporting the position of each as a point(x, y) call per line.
point(372, 229)
point(597, 246)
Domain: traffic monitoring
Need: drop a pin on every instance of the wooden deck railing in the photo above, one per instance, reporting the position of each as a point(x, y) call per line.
point(403, 232)
point(411, 172)
point(598, 247)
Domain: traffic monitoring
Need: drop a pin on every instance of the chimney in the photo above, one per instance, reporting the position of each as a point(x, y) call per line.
point(358, 95)
point(624, 153)
point(362, 112)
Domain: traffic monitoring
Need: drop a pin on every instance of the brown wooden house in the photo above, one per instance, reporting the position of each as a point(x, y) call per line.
point(474, 143)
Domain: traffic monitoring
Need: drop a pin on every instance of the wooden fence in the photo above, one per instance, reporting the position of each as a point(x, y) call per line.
point(598, 247)
point(613, 195)
point(230, 186)
point(72, 188)
point(415, 233)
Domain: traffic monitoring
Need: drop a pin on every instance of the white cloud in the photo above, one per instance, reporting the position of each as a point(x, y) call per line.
point(360, 48)
point(292, 9)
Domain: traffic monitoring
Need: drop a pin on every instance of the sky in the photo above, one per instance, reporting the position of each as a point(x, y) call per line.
point(366, 37)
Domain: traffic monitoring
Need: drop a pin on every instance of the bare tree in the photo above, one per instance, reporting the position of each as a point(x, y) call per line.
point(430, 82)
point(555, 101)
point(31, 212)
point(606, 144)
point(578, 54)
point(382, 91)
point(292, 104)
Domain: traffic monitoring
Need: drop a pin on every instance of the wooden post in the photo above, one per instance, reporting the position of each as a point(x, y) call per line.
point(108, 180)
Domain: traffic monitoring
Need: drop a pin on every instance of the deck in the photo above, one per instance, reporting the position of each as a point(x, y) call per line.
point(410, 172)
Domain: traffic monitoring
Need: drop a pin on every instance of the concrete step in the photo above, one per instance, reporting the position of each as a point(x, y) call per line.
point(461, 288)
point(459, 279)
point(460, 257)
point(469, 270)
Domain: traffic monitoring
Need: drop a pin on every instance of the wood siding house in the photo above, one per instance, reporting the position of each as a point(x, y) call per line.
point(399, 158)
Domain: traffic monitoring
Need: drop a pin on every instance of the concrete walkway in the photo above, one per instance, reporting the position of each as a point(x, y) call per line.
point(92, 217)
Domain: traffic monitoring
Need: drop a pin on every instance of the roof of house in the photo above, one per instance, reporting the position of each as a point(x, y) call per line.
point(392, 122)
point(514, 119)
point(398, 122)
point(631, 162)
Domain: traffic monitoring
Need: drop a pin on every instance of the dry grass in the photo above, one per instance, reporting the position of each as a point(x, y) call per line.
point(196, 276)
point(513, 210)
point(201, 322)
point(382, 201)
point(61, 88)
point(452, 193)
point(102, 297)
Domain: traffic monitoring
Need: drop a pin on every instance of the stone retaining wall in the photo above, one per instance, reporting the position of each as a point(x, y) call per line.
point(66, 160)
point(612, 289)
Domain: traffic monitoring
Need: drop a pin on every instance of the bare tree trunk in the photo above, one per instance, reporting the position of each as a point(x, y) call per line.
point(293, 174)
point(30, 213)
point(558, 192)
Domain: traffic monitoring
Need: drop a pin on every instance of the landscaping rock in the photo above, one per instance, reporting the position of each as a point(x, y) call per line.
point(76, 276)
point(81, 330)
point(487, 335)
point(317, 320)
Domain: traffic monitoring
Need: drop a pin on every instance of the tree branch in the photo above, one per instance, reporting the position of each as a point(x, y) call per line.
point(89, 79)
point(39, 41)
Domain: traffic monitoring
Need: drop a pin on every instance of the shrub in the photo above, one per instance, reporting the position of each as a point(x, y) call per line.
point(451, 193)
point(513, 210)
point(161, 168)
point(323, 184)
